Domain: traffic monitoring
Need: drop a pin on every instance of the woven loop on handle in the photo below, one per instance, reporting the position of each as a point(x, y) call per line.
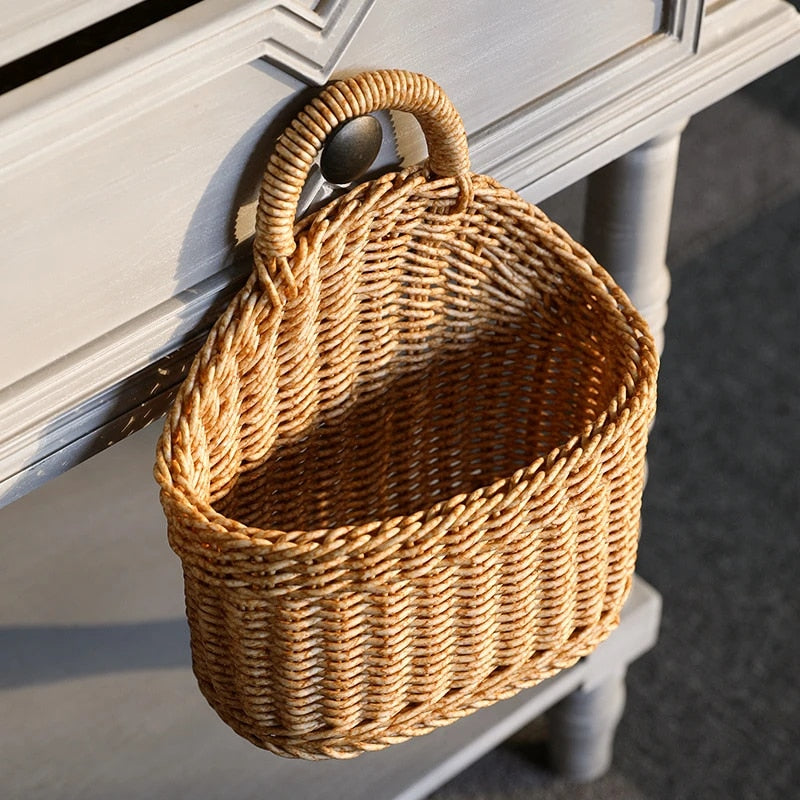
point(301, 143)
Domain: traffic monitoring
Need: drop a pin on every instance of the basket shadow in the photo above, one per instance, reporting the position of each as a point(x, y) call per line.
point(37, 654)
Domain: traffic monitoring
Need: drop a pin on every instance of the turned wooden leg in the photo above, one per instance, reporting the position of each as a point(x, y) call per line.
point(628, 211)
point(582, 728)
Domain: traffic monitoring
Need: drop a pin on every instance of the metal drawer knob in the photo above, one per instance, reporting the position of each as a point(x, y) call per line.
point(350, 150)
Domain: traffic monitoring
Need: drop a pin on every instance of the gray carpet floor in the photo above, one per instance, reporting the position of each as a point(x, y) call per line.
point(714, 710)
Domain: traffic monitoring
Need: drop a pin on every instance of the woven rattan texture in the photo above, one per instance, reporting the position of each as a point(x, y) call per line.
point(404, 474)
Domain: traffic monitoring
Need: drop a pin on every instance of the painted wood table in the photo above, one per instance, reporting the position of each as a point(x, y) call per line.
point(131, 141)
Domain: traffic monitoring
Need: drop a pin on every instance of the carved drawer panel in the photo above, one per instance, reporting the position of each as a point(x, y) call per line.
point(127, 167)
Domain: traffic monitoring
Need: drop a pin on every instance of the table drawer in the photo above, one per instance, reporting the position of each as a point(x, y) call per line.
point(133, 200)
point(124, 172)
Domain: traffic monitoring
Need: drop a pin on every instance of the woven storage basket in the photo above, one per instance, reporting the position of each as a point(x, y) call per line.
point(404, 473)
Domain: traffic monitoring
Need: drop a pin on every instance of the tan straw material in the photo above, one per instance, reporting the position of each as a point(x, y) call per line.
point(404, 473)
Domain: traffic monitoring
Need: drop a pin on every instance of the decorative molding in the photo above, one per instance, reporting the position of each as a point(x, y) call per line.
point(113, 85)
point(560, 138)
point(309, 44)
point(683, 20)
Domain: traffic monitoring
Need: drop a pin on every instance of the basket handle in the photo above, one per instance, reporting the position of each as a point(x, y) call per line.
point(303, 140)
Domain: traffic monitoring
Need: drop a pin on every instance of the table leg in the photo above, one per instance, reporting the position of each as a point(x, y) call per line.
point(628, 209)
point(582, 728)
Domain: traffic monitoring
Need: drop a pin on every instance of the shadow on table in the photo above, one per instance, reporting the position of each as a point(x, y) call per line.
point(37, 654)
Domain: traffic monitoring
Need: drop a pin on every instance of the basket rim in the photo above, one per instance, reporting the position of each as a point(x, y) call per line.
point(545, 468)
point(220, 528)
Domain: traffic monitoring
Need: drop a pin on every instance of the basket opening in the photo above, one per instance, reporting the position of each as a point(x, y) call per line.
point(418, 434)
point(425, 356)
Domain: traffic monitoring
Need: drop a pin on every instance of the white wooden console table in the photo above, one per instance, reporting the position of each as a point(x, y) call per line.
point(132, 136)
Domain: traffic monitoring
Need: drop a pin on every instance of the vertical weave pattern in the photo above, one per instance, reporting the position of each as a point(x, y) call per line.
point(404, 473)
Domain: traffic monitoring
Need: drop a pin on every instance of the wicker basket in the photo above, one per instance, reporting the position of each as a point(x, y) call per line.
point(404, 473)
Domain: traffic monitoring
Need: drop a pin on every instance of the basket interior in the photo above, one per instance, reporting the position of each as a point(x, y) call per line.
point(426, 368)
